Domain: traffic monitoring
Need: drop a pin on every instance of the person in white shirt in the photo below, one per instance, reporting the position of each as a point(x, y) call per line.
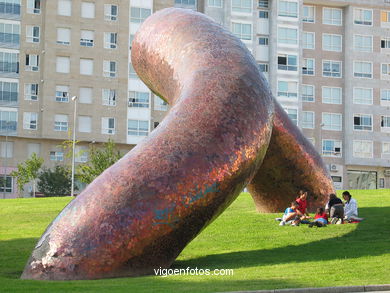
point(350, 207)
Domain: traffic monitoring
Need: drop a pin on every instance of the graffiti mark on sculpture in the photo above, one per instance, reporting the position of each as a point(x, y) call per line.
point(224, 131)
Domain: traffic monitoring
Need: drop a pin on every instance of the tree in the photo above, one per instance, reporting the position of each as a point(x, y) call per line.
point(55, 182)
point(99, 160)
point(28, 171)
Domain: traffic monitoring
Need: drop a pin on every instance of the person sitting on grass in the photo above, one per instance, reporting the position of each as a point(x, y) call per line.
point(350, 208)
point(291, 215)
point(320, 218)
point(335, 207)
point(302, 209)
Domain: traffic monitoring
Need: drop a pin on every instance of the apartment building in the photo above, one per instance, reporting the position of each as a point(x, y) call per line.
point(326, 62)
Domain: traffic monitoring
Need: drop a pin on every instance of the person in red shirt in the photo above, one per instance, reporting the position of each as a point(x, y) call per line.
point(302, 201)
point(320, 218)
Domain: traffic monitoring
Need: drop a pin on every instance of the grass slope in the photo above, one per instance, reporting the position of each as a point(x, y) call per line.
point(262, 254)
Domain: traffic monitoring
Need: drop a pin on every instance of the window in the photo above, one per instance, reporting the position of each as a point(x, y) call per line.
point(308, 14)
point(308, 119)
point(10, 7)
point(331, 95)
point(81, 154)
point(139, 99)
point(108, 125)
point(8, 184)
point(109, 97)
point(386, 148)
point(287, 62)
point(263, 67)
point(87, 9)
point(6, 149)
point(160, 104)
point(109, 68)
point(308, 93)
point(63, 36)
point(85, 95)
point(110, 12)
point(263, 4)
point(63, 64)
point(362, 122)
point(215, 3)
point(332, 16)
point(331, 148)
point(64, 7)
point(242, 31)
point(308, 66)
point(31, 91)
point(10, 34)
point(61, 122)
point(362, 149)
point(292, 114)
point(137, 127)
point(185, 3)
point(288, 9)
point(110, 40)
point(385, 70)
point(244, 6)
point(287, 35)
point(385, 123)
point(362, 43)
point(8, 92)
point(86, 66)
point(385, 43)
point(56, 156)
point(362, 16)
point(32, 34)
point(132, 73)
point(30, 120)
point(385, 95)
point(362, 69)
point(138, 15)
point(263, 41)
point(62, 93)
point(385, 16)
point(9, 62)
point(85, 123)
point(87, 38)
point(32, 62)
point(34, 6)
point(288, 89)
point(331, 68)
point(331, 42)
point(308, 40)
point(8, 121)
point(332, 121)
point(363, 96)
point(263, 14)
point(33, 148)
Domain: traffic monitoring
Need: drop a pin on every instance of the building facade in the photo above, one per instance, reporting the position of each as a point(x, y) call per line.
point(327, 64)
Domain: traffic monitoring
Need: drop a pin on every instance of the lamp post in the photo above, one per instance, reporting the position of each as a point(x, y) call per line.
point(74, 99)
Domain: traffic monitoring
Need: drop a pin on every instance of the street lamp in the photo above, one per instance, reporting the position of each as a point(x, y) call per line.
point(74, 99)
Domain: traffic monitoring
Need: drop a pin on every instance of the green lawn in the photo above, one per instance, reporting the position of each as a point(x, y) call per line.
point(262, 254)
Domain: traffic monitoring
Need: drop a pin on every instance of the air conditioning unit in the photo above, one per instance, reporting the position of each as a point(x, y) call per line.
point(387, 172)
point(333, 168)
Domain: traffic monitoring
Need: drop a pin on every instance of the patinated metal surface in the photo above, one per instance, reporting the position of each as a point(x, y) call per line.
point(141, 212)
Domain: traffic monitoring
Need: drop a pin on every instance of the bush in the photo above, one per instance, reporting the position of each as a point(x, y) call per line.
point(55, 182)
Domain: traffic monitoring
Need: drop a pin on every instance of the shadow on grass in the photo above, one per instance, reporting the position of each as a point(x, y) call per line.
point(370, 238)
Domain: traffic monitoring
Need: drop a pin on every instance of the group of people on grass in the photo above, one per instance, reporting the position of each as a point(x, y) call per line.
point(335, 212)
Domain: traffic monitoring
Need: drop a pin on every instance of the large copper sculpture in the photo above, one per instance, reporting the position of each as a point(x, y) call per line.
point(223, 132)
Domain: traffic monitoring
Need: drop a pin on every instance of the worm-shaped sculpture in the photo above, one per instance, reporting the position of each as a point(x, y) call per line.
point(223, 132)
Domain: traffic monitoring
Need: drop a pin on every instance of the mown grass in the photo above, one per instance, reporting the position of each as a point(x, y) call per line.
point(262, 254)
